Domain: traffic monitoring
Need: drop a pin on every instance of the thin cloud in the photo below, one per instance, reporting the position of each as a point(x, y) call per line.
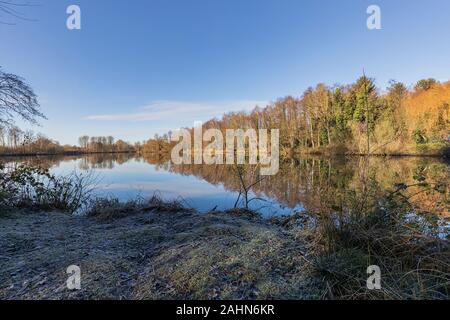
point(164, 110)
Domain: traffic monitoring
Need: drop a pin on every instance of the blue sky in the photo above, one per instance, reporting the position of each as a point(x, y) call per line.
point(141, 67)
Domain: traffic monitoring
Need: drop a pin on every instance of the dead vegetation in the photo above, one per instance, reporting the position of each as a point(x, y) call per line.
point(412, 250)
point(150, 255)
point(152, 249)
point(112, 208)
point(34, 189)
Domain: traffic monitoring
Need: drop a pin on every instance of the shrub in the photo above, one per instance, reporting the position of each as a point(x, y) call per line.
point(35, 188)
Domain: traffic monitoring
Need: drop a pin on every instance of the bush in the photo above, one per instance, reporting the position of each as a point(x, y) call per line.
point(35, 188)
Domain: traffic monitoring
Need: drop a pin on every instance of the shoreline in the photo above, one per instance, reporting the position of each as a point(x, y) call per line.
point(68, 153)
point(321, 154)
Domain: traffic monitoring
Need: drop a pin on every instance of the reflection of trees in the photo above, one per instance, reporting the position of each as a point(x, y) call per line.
point(160, 161)
point(325, 185)
point(86, 162)
point(320, 185)
point(104, 160)
point(299, 181)
point(45, 162)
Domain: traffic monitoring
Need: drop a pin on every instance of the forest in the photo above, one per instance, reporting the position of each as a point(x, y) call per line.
point(358, 119)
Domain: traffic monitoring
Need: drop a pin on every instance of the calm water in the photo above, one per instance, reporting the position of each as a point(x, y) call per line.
point(309, 183)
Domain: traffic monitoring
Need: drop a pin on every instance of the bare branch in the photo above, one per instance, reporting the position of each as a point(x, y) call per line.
point(17, 98)
point(10, 9)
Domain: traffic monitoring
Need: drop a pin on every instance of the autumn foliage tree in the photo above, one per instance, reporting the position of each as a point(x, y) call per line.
point(358, 118)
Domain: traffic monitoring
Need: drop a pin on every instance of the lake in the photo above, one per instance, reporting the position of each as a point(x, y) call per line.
point(310, 183)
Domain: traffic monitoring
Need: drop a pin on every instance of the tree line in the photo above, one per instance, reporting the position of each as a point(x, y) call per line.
point(14, 141)
point(357, 118)
point(159, 145)
point(104, 144)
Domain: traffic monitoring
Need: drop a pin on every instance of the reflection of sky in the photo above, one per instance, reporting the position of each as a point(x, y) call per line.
point(134, 178)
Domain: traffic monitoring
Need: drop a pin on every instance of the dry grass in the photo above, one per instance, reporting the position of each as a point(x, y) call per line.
point(150, 255)
point(112, 208)
point(157, 250)
point(414, 258)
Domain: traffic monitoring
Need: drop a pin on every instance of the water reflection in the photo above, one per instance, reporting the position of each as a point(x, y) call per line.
point(325, 184)
point(313, 183)
point(84, 162)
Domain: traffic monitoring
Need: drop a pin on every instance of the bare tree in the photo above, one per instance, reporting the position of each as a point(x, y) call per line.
point(110, 140)
point(17, 98)
point(245, 187)
point(84, 142)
